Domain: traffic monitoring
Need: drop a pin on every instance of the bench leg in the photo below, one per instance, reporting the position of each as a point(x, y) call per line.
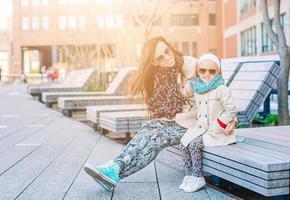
point(96, 127)
point(127, 137)
point(67, 113)
point(216, 180)
point(49, 105)
point(39, 98)
point(104, 131)
point(280, 197)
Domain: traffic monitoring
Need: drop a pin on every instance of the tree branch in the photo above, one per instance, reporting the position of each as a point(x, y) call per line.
point(273, 36)
point(277, 23)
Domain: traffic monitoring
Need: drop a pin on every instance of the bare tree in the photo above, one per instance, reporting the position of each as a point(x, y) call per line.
point(279, 40)
point(148, 13)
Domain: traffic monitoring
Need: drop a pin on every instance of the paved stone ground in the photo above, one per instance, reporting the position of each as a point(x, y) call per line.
point(42, 154)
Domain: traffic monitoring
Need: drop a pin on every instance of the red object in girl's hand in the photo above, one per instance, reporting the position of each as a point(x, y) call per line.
point(223, 125)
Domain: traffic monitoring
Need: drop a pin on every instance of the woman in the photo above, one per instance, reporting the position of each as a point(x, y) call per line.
point(161, 80)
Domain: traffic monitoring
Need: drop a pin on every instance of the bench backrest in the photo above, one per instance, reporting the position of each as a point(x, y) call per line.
point(120, 80)
point(251, 86)
point(78, 78)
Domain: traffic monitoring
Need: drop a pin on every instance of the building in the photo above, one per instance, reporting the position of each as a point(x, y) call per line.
point(244, 30)
point(108, 33)
point(5, 36)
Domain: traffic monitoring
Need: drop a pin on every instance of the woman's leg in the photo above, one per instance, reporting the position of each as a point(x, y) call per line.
point(150, 139)
point(195, 148)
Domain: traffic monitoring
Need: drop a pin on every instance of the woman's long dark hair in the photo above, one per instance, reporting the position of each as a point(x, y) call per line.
point(142, 82)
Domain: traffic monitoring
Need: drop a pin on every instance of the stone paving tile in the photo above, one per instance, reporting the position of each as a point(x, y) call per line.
point(54, 170)
point(215, 194)
point(87, 190)
point(22, 134)
point(57, 178)
point(16, 179)
point(20, 176)
point(136, 191)
point(14, 155)
point(169, 181)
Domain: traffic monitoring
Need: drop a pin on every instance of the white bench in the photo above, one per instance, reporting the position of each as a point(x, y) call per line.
point(93, 112)
point(123, 122)
point(75, 81)
point(115, 87)
point(70, 104)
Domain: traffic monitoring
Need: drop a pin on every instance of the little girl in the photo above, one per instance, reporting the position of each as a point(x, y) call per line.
point(215, 110)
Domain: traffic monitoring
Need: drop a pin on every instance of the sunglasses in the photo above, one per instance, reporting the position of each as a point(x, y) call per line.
point(167, 52)
point(210, 71)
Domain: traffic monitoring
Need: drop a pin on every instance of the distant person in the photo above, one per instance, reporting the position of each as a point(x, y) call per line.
point(42, 72)
point(61, 74)
point(0, 73)
point(23, 78)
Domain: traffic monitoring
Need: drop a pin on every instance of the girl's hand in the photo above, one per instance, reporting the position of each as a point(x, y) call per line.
point(230, 128)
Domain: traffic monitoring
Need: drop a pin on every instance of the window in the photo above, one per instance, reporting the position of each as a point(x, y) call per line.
point(118, 1)
point(185, 48)
point(109, 21)
point(246, 5)
point(138, 51)
point(81, 22)
point(71, 1)
point(4, 59)
point(100, 21)
point(194, 49)
point(62, 23)
point(44, 2)
point(158, 22)
point(3, 23)
point(44, 23)
point(248, 42)
point(212, 51)
point(25, 23)
point(109, 2)
point(72, 22)
point(184, 20)
point(35, 2)
point(212, 19)
point(61, 2)
point(25, 2)
point(35, 23)
point(119, 21)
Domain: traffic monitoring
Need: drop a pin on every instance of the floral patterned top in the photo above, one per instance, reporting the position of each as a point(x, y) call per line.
point(167, 99)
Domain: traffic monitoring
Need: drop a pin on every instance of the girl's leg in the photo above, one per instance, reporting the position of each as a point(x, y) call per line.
point(186, 157)
point(151, 138)
point(195, 148)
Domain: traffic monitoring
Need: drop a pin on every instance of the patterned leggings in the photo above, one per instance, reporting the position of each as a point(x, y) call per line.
point(149, 140)
point(192, 157)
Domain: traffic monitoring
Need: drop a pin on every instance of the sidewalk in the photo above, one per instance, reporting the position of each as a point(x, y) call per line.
point(42, 154)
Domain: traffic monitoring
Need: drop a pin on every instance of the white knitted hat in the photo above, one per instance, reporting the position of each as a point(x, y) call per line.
point(212, 58)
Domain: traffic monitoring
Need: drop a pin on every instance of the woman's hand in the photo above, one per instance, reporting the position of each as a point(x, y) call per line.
point(230, 128)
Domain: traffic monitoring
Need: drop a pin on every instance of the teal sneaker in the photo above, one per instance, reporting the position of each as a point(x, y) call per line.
point(106, 186)
point(106, 174)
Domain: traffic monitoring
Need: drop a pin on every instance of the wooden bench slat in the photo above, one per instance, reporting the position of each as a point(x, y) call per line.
point(248, 185)
point(276, 183)
point(252, 159)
